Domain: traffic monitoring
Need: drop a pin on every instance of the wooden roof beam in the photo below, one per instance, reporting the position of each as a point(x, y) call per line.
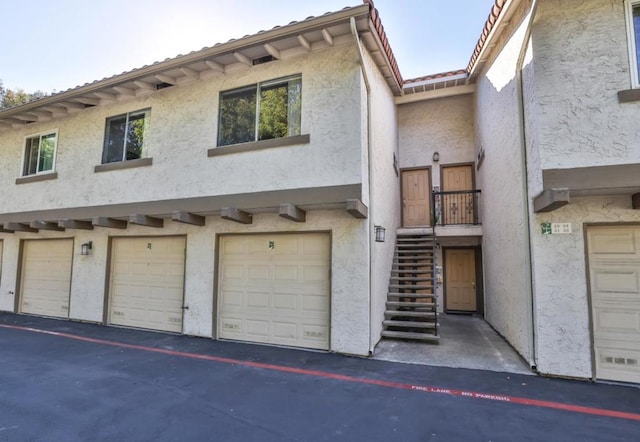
point(275, 53)
point(72, 105)
point(124, 91)
point(191, 73)
point(166, 79)
point(87, 100)
point(111, 223)
point(243, 59)
point(145, 220)
point(292, 213)
point(46, 225)
point(215, 66)
point(106, 96)
point(327, 37)
point(75, 224)
point(188, 218)
point(144, 85)
point(357, 209)
point(237, 215)
point(304, 42)
point(19, 227)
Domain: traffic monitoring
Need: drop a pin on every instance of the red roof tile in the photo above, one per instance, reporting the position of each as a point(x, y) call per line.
point(435, 76)
point(488, 27)
point(377, 23)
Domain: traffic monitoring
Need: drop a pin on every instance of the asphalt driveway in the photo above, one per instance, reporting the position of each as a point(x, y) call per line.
point(67, 381)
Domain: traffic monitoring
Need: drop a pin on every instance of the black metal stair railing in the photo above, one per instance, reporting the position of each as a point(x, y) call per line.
point(456, 207)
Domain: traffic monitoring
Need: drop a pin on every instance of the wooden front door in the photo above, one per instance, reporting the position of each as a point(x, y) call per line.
point(416, 198)
point(460, 280)
point(458, 208)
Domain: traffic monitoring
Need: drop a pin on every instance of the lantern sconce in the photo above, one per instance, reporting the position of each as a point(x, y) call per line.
point(84, 248)
point(380, 233)
point(436, 157)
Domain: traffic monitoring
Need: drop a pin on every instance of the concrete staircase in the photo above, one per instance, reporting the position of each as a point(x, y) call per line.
point(412, 310)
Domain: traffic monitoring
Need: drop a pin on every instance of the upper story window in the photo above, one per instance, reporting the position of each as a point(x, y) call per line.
point(632, 8)
point(124, 137)
point(261, 111)
point(40, 153)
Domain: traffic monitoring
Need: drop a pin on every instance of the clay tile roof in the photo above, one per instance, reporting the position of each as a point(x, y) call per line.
point(488, 27)
point(377, 24)
point(435, 76)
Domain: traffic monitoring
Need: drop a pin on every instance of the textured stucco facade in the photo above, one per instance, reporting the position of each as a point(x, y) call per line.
point(384, 208)
point(443, 125)
point(582, 61)
point(500, 176)
point(578, 63)
point(183, 125)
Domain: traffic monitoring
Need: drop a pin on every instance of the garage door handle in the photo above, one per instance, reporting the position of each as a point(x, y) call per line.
point(185, 307)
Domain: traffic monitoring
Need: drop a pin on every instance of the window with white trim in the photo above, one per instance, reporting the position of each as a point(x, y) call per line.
point(40, 153)
point(632, 10)
point(124, 137)
point(261, 111)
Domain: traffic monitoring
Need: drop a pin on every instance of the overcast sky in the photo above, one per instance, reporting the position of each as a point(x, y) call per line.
point(54, 45)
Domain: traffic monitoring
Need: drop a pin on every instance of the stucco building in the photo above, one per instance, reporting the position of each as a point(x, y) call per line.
point(243, 191)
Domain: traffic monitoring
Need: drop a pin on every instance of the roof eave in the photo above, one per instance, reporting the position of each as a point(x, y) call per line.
point(358, 12)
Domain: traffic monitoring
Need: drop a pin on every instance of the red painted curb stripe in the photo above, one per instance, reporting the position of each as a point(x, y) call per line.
point(340, 377)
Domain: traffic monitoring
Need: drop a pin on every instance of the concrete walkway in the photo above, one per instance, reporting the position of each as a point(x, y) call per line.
point(465, 342)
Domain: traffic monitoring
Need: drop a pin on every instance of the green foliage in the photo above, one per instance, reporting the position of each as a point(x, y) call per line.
point(10, 98)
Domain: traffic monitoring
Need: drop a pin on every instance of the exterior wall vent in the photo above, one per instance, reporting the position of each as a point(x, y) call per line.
point(262, 60)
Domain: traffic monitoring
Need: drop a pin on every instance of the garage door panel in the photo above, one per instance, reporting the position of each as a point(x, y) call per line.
point(147, 283)
point(46, 277)
point(613, 242)
point(614, 266)
point(284, 287)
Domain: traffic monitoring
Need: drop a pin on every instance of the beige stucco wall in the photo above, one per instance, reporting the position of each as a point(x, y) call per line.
point(349, 286)
point(562, 310)
point(384, 207)
point(504, 221)
point(183, 125)
point(581, 63)
point(443, 125)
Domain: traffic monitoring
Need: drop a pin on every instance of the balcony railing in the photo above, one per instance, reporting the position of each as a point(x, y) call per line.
point(456, 207)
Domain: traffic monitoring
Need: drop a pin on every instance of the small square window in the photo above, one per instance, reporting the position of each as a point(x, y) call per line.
point(260, 112)
point(124, 137)
point(632, 10)
point(40, 154)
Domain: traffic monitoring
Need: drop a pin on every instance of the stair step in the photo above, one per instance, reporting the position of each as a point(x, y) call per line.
point(421, 245)
point(410, 287)
point(411, 304)
point(410, 278)
point(404, 239)
point(410, 314)
point(409, 335)
point(408, 324)
point(412, 272)
point(411, 295)
point(422, 251)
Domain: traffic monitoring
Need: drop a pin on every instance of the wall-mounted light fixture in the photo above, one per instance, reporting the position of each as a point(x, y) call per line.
point(84, 248)
point(380, 233)
point(436, 157)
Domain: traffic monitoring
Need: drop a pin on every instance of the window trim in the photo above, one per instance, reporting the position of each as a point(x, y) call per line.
point(24, 153)
point(257, 88)
point(147, 113)
point(631, 42)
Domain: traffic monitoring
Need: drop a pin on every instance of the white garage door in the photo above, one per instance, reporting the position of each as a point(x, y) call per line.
point(275, 289)
point(46, 277)
point(147, 280)
point(614, 263)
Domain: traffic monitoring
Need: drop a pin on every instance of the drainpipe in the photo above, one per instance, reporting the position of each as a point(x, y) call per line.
point(354, 31)
point(525, 185)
